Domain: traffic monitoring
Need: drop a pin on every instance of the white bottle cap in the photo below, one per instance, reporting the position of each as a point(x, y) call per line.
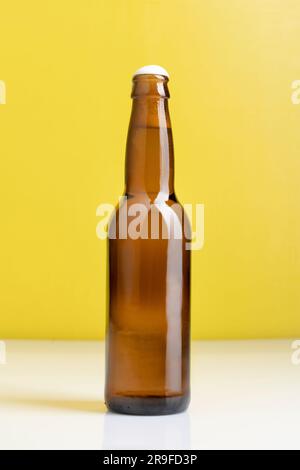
point(151, 70)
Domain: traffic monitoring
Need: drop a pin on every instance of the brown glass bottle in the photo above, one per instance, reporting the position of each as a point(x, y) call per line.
point(148, 325)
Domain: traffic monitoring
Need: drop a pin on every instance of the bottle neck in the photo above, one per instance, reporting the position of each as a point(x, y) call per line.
point(149, 152)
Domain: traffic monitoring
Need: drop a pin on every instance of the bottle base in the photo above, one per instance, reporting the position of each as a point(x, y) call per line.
point(148, 405)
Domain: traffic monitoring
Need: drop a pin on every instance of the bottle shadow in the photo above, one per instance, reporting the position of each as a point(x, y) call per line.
point(87, 406)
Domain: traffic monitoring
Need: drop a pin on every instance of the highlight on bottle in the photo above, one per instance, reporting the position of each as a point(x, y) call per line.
point(156, 221)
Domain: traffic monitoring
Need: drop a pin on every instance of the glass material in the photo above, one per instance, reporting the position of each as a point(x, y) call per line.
point(148, 325)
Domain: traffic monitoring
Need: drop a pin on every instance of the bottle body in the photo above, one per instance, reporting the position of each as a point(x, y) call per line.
point(148, 325)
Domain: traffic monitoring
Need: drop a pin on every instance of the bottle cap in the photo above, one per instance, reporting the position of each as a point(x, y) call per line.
point(152, 70)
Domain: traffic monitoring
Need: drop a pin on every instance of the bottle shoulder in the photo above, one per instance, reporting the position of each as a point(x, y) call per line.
point(142, 207)
point(147, 200)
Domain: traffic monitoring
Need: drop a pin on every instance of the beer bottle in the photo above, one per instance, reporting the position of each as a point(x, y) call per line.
point(148, 324)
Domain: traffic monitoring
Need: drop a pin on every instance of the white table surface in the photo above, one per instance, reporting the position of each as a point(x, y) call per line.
point(245, 395)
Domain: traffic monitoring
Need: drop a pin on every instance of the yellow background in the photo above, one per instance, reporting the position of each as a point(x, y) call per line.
point(67, 65)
